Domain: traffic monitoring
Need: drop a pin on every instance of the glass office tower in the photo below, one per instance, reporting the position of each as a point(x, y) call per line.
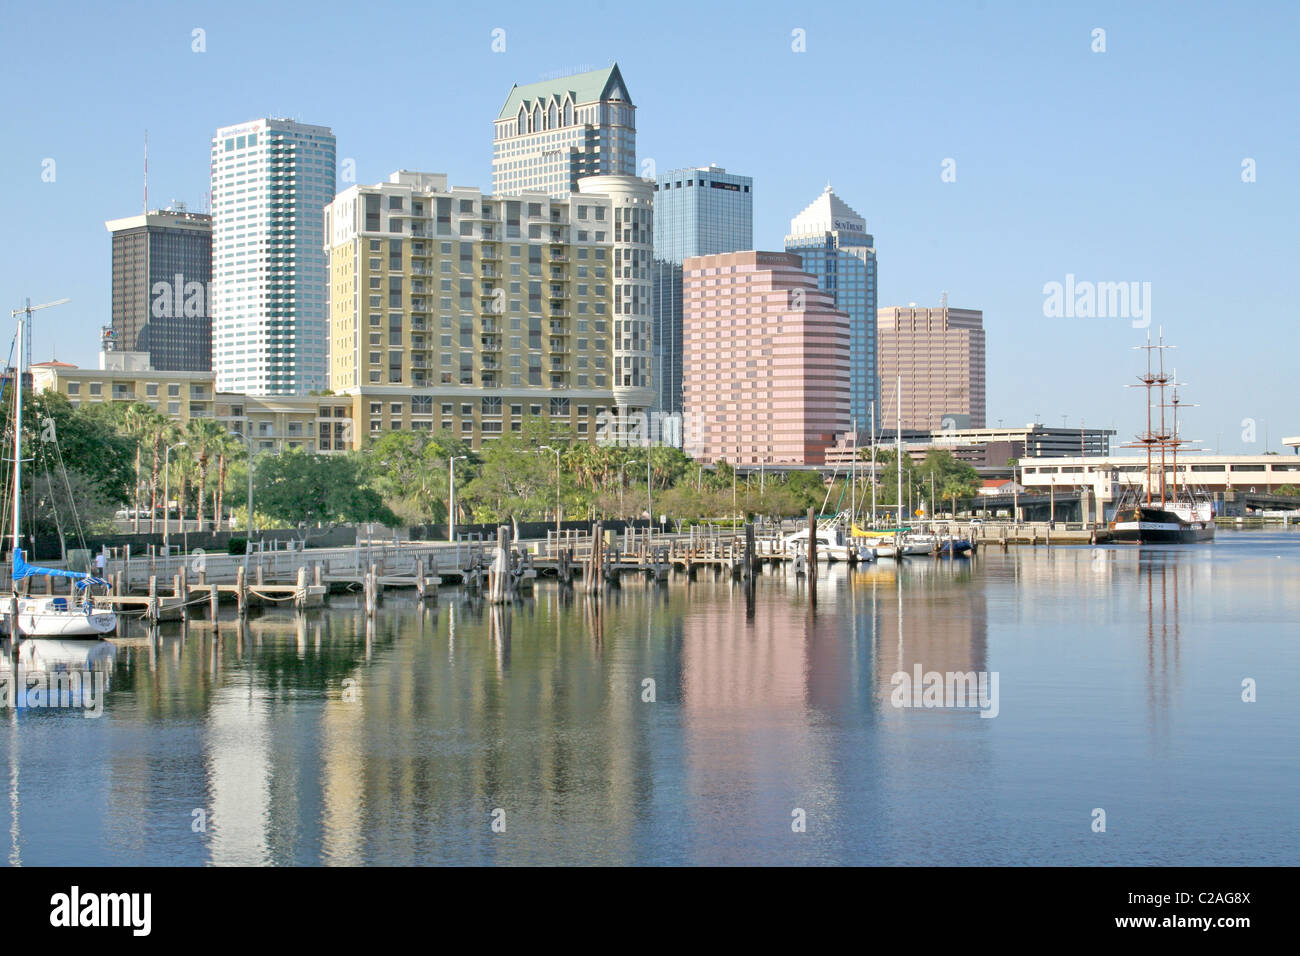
point(700, 211)
point(833, 241)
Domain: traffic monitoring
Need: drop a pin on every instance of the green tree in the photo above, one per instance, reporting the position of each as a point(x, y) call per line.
point(85, 443)
point(204, 437)
point(304, 489)
point(227, 448)
point(409, 470)
point(513, 480)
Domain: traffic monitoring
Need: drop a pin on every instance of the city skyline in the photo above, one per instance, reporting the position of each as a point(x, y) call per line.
point(1059, 181)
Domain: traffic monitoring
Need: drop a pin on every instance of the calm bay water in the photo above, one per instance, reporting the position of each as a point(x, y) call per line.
point(317, 739)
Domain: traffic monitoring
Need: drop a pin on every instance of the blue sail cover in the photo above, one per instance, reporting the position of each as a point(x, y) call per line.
point(24, 570)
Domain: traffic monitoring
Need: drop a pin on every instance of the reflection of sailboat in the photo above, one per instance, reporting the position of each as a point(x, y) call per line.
point(48, 616)
point(74, 671)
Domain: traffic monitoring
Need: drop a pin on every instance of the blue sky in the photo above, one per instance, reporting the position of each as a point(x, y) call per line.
point(1117, 166)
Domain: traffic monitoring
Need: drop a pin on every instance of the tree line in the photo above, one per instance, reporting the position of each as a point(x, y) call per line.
point(124, 456)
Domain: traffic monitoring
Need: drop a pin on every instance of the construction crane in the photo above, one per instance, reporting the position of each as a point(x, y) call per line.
point(29, 309)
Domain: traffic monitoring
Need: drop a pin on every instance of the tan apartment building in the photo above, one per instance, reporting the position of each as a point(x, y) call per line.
point(939, 354)
point(310, 423)
point(454, 309)
point(765, 360)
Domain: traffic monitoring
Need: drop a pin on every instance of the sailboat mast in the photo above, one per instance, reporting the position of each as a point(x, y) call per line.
point(873, 464)
point(1148, 434)
point(853, 478)
point(1173, 444)
point(1164, 436)
point(898, 447)
point(18, 429)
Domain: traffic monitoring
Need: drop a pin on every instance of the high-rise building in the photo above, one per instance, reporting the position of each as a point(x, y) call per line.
point(701, 211)
point(458, 310)
point(765, 367)
point(834, 244)
point(551, 134)
point(939, 353)
point(271, 181)
point(162, 272)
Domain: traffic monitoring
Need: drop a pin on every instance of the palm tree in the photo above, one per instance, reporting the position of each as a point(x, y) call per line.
point(159, 429)
point(203, 434)
point(133, 419)
point(185, 468)
point(227, 447)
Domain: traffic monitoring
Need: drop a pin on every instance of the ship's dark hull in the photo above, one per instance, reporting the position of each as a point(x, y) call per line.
point(1156, 526)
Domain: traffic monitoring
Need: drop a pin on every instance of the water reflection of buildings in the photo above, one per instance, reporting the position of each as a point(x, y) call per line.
point(926, 613)
point(753, 752)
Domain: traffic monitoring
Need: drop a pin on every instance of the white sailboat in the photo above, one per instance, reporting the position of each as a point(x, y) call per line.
point(47, 615)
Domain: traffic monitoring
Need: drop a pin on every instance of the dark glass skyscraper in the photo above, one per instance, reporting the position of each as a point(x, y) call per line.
point(833, 241)
point(162, 273)
point(701, 211)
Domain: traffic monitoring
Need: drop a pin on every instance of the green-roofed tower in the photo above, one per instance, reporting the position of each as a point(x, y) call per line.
point(551, 134)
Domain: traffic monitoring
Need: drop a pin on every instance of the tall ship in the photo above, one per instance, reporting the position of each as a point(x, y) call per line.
point(1165, 511)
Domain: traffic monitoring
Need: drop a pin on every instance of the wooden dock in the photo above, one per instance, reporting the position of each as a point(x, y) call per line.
point(162, 587)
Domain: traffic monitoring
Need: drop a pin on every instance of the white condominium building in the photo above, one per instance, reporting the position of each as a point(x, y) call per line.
point(271, 181)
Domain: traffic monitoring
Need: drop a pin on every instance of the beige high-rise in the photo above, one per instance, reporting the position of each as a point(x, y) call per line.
point(939, 353)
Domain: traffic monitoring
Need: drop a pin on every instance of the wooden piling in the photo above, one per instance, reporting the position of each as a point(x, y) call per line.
point(749, 551)
point(812, 550)
point(594, 574)
point(241, 590)
point(371, 592)
point(214, 598)
point(152, 611)
point(300, 591)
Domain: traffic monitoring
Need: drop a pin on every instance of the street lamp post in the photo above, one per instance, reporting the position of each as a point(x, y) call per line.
point(167, 496)
point(557, 489)
point(620, 484)
point(451, 502)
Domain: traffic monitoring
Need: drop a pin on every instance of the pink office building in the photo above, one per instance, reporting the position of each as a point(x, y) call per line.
point(765, 360)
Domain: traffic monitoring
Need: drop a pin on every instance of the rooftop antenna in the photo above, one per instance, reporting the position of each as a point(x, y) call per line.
point(146, 173)
point(943, 301)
